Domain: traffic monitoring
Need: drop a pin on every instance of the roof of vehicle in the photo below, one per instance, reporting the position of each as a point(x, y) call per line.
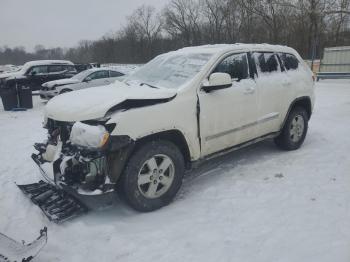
point(27, 65)
point(222, 48)
point(95, 69)
point(48, 62)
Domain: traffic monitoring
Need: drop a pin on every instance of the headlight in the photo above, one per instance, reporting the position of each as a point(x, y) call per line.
point(88, 135)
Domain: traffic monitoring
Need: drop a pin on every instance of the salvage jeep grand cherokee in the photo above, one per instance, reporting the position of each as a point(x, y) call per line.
point(137, 137)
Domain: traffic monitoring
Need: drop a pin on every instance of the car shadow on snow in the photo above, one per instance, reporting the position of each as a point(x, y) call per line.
point(214, 167)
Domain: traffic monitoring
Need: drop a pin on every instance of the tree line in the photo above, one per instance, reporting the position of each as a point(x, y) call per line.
point(306, 25)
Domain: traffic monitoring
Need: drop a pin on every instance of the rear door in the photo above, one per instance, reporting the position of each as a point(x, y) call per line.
point(228, 116)
point(272, 86)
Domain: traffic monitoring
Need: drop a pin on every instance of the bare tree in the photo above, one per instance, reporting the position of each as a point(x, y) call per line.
point(147, 22)
point(215, 13)
point(307, 25)
point(182, 20)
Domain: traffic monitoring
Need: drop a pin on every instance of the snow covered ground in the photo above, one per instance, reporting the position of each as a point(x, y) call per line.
point(256, 204)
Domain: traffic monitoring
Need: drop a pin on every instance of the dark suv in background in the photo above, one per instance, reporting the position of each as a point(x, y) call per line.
point(33, 74)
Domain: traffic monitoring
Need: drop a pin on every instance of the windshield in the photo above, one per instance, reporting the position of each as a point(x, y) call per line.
point(170, 70)
point(81, 76)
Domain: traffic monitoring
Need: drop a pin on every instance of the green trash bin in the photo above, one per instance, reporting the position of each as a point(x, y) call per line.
point(9, 98)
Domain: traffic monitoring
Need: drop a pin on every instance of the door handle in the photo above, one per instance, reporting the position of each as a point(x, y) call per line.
point(249, 90)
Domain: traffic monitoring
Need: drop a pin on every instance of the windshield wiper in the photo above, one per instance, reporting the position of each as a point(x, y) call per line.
point(149, 85)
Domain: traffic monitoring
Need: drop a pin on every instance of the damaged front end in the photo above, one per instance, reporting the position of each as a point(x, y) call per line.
point(81, 164)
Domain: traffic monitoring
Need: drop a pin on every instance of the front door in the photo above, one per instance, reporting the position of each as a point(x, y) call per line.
point(36, 76)
point(228, 116)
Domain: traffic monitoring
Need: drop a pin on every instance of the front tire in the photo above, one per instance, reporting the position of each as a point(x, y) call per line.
point(153, 176)
point(294, 131)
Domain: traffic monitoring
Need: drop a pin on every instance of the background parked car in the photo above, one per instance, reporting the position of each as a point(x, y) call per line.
point(88, 78)
point(8, 68)
point(33, 74)
point(83, 67)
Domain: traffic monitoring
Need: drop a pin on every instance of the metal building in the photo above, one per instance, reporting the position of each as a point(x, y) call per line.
point(336, 59)
point(335, 63)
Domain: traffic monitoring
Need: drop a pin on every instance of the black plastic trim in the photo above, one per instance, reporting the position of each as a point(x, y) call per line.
point(209, 89)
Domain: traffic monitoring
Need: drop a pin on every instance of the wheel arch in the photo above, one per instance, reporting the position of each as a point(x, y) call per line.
point(175, 136)
point(305, 102)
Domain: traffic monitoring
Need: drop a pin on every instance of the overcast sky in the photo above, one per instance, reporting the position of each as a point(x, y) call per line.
point(63, 23)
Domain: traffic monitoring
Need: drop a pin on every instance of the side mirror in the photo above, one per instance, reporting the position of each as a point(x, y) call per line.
point(33, 73)
point(87, 79)
point(217, 81)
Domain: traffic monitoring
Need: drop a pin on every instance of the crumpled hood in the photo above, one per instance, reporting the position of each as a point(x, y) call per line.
point(61, 82)
point(94, 103)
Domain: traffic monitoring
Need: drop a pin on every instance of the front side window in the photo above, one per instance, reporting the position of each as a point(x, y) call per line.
point(38, 70)
point(266, 62)
point(235, 65)
point(289, 61)
point(99, 75)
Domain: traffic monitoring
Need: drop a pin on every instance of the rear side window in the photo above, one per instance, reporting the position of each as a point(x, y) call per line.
point(55, 68)
point(115, 74)
point(235, 65)
point(289, 61)
point(99, 75)
point(266, 62)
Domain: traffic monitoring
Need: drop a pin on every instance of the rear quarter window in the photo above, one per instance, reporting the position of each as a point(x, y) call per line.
point(289, 61)
point(115, 74)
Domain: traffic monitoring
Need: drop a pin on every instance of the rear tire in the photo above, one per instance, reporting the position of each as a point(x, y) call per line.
point(152, 176)
point(294, 131)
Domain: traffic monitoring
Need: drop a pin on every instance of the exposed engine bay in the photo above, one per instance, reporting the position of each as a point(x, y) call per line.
point(81, 155)
point(85, 161)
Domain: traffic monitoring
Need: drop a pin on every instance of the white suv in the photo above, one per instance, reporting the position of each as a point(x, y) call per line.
point(137, 137)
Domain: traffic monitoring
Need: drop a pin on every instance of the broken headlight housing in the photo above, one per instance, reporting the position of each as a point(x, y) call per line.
point(90, 136)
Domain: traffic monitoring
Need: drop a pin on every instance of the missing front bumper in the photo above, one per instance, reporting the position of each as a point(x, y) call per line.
point(56, 204)
point(60, 202)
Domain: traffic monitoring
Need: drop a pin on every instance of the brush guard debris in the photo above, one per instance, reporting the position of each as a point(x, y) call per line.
point(57, 205)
